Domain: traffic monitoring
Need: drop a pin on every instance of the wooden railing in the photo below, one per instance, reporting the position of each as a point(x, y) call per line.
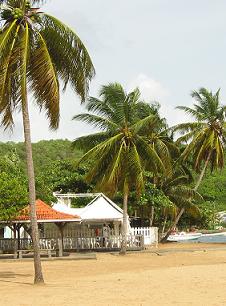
point(135, 242)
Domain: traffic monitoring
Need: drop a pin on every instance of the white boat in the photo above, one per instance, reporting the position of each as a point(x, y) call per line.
point(183, 236)
point(214, 234)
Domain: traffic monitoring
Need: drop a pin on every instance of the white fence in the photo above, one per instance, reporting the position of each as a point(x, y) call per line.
point(150, 234)
point(135, 242)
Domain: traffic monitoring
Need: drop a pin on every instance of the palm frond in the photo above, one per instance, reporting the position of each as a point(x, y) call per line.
point(188, 127)
point(96, 121)
point(150, 157)
point(69, 55)
point(10, 80)
point(143, 125)
point(85, 143)
point(43, 80)
point(189, 111)
point(135, 169)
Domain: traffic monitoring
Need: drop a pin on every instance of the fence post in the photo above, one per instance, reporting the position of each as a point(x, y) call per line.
point(60, 247)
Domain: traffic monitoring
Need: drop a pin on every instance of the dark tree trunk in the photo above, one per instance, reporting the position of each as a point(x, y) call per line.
point(15, 246)
point(164, 225)
point(125, 220)
point(38, 279)
point(61, 226)
point(152, 215)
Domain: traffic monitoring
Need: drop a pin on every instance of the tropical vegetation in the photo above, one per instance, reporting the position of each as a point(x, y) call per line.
point(37, 54)
point(119, 153)
point(206, 135)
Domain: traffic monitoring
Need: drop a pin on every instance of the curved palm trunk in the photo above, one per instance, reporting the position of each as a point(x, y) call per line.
point(38, 279)
point(125, 219)
point(164, 239)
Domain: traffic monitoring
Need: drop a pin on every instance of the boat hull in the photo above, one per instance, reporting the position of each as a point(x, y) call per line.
point(184, 236)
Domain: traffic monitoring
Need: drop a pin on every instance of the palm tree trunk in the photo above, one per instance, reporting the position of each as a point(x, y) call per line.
point(203, 172)
point(164, 225)
point(164, 239)
point(125, 220)
point(152, 215)
point(38, 279)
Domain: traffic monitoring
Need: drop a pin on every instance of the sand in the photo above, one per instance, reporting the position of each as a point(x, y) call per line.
point(171, 278)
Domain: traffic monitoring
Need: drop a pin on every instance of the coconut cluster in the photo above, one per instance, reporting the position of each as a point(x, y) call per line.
point(15, 13)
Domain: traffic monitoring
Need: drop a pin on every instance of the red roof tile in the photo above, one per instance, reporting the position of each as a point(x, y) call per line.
point(44, 212)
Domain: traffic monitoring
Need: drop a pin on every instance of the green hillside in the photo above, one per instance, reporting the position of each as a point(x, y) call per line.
point(213, 189)
point(47, 153)
point(44, 152)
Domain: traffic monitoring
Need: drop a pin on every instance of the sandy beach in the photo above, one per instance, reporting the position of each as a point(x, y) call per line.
point(173, 275)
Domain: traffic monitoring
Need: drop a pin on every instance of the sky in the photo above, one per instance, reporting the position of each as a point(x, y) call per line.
point(166, 48)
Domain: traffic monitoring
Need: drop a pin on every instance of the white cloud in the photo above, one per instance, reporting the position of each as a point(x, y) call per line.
point(151, 89)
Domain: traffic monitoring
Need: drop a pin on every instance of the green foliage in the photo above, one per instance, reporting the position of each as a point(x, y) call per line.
point(120, 153)
point(207, 133)
point(37, 51)
point(213, 188)
point(13, 190)
point(206, 219)
point(13, 196)
point(62, 176)
point(154, 197)
point(54, 162)
point(44, 152)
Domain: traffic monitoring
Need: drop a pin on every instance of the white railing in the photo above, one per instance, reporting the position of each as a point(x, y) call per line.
point(135, 242)
point(150, 234)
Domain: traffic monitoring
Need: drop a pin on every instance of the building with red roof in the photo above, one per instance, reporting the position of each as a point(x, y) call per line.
point(45, 214)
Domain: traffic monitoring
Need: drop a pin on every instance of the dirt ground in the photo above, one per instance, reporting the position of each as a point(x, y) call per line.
point(171, 278)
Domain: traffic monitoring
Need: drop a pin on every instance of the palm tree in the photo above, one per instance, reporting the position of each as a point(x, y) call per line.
point(157, 135)
point(206, 135)
point(37, 51)
point(177, 189)
point(119, 153)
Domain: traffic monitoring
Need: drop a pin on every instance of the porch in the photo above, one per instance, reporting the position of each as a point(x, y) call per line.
point(73, 244)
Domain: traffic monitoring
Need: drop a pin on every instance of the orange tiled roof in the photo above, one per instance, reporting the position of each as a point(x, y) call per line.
point(44, 212)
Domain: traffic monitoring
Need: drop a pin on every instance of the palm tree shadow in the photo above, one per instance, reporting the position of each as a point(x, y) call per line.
point(11, 275)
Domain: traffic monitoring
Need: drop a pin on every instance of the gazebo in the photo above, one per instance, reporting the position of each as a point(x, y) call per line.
point(45, 214)
point(83, 233)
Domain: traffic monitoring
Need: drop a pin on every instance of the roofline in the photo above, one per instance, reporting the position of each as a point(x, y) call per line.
point(102, 219)
point(42, 221)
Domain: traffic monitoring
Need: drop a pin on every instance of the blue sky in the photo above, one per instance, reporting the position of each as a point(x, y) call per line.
point(167, 48)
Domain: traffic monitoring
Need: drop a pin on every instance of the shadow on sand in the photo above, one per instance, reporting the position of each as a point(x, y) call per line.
point(12, 276)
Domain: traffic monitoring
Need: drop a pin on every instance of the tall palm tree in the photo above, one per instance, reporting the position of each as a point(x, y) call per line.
point(119, 153)
point(37, 51)
point(206, 135)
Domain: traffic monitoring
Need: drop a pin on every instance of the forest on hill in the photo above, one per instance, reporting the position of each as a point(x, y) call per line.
point(55, 168)
point(44, 152)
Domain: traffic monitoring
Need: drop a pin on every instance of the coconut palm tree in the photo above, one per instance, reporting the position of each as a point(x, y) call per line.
point(205, 136)
point(157, 134)
point(119, 153)
point(177, 189)
point(37, 54)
